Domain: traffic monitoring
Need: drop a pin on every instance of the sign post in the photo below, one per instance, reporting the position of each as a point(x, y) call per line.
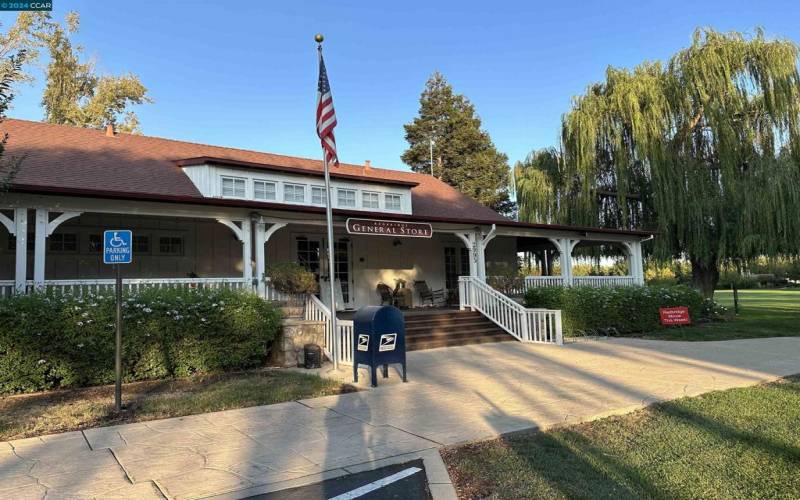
point(117, 250)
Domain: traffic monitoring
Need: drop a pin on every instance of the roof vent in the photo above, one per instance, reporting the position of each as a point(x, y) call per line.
point(367, 164)
point(110, 130)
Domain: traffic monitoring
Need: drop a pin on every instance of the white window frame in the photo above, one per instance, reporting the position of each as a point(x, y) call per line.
point(294, 186)
point(398, 196)
point(324, 200)
point(372, 194)
point(265, 182)
point(224, 178)
point(341, 191)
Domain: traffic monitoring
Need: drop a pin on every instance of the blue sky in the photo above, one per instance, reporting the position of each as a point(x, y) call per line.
point(243, 74)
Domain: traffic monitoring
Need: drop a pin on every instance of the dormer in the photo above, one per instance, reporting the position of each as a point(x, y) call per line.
point(231, 179)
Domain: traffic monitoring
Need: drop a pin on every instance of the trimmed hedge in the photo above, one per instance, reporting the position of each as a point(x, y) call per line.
point(628, 309)
point(53, 341)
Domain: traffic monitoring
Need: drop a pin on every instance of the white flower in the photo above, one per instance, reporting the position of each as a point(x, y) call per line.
point(147, 310)
point(80, 323)
point(80, 346)
point(41, 361)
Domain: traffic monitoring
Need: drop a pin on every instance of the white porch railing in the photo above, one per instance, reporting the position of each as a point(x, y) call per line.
point(6, 288)
point(540, 281)
point(509, 286)
point(592, 281)
point(80, 287)
point(603, 281)
point(526, 325)
point(315, 310)
point(271, 294)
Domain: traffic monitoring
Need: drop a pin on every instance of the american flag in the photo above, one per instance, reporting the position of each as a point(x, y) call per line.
point(326, 116)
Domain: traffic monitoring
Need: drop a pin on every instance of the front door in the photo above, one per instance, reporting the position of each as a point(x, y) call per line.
point(311, 252)
point(456, 263)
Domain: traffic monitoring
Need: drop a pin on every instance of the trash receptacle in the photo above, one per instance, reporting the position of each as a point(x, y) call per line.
point(380, 339)
point(312, 356)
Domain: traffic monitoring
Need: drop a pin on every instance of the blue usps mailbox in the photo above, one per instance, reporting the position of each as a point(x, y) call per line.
point(380, 339)
point(117, 246)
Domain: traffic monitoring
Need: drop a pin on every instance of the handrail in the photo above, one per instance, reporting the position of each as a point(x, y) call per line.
point(316, 310)
point(526, 325)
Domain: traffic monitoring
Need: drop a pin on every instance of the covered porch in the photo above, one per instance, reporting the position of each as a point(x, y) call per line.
point(53, 242)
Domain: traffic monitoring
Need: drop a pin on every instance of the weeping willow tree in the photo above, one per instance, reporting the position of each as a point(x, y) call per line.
point(540, 186)
point(706, 145)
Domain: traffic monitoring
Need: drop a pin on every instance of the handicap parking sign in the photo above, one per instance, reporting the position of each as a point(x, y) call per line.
point(117, 246)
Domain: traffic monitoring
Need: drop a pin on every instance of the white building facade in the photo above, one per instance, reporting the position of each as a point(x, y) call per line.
point(206, 215)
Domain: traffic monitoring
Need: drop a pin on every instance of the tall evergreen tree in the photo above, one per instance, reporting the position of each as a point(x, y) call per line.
point(710, 143)
point(464, 155)
point(76, 95)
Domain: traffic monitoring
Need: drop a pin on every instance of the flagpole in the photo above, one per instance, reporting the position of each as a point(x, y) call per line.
point(331, 262)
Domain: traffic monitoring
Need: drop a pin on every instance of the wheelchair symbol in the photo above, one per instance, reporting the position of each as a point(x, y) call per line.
point(116, 241)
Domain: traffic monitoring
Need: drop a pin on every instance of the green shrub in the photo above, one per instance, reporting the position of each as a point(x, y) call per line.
point(742, 281)
point(51, 341)
point(628, 309)
point(290, 277)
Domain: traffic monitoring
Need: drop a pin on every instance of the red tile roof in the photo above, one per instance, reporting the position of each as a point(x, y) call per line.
point(73, 158)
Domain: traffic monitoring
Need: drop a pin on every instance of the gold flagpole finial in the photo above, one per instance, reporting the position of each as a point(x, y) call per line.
point(319, 38)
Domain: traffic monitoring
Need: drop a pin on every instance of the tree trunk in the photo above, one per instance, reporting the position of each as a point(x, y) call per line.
point(705, 277)
point(549, 257)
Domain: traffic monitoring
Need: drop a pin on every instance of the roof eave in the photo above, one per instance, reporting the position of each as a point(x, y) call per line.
point(203, 160)
point(226, 202)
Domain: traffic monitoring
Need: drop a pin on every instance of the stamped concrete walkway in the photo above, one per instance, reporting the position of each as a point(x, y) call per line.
point(454, 395)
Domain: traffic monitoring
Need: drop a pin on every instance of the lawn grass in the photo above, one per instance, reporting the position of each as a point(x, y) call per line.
point(762, 313)
point(738, 443)
point(67, 410)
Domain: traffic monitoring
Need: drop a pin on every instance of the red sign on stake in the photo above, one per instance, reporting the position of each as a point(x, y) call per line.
point(675, 315)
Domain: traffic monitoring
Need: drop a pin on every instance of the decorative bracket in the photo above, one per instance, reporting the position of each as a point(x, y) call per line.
point(9, 223)
point(65, 216)
point(272, 229)
point(237, 231)
point(490, 236)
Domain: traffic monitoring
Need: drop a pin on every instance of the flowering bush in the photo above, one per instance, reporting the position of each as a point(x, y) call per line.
point(52, 341)
point(627, 309)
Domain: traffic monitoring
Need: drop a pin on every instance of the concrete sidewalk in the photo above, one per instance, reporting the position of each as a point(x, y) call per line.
point(454, 395)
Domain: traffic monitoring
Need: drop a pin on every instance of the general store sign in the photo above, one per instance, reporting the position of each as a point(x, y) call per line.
point(674, 315)
point(389, 228)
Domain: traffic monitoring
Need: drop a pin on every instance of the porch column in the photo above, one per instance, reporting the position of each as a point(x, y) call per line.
point(39, 249)
point(565, 247)
point(44, 228)
point(262, 237)
point(261, 229)
point(247, 251)
point(21, 262)
point(481, 242)
point(471, 243)
point(635, 261)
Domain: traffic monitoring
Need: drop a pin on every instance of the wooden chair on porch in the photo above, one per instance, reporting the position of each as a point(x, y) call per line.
point(435, 297)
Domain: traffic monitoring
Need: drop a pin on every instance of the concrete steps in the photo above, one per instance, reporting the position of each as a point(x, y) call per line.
point(451, 328)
